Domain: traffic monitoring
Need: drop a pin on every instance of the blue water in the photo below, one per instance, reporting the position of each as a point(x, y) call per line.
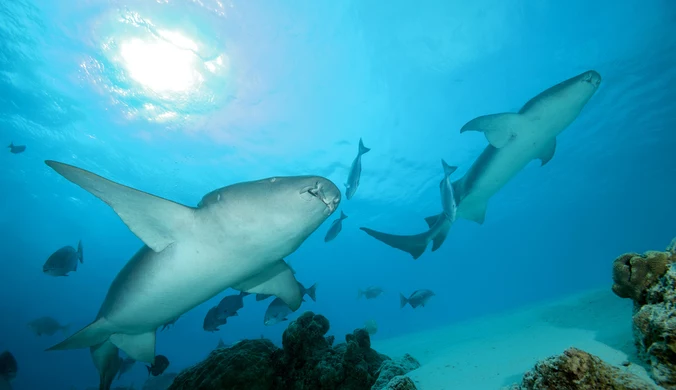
point(178, 98)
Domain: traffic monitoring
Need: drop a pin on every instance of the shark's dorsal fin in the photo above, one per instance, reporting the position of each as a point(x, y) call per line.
point(548, 152)
point(156, 221)
point(277, 280)
point(499, 129)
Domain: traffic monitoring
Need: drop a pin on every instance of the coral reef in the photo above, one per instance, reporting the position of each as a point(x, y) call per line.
point(650, 281)
point(633, 274)
point(577, 370)
point(307, 360)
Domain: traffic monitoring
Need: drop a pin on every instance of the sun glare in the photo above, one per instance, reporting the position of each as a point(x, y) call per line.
point(164, 64)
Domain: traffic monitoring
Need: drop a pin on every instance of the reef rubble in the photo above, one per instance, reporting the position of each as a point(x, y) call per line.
point(578, 370)
point(649, 280)
point(308, 360)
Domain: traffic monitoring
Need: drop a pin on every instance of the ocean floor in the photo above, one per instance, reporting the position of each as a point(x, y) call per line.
point(493, 352)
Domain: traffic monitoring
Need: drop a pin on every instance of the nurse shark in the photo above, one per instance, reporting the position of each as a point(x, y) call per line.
point(514, 139)
point(236, 237)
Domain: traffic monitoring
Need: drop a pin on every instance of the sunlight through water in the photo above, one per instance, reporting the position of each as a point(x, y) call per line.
point(162, 64)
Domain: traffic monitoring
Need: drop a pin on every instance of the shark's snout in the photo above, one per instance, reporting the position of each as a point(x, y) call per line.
point(592, 77)
point(324, 190)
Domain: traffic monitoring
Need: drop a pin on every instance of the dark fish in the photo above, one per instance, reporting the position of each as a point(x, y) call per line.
point(63, 261)
point(336, 227)
point(16, 149)
point(161, 364)
point(48, 326)
point(418, 298)
point(8, 366)
point(213, 320)
point(229, 305)
point(355, 172)
point(127, 364)
point(170, 323)
point(370, 293)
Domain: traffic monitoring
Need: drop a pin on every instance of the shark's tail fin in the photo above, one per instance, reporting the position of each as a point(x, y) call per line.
point(402, 301)
point(80, 254)
point(363, 149)
point(11, 145)
point(443, 233)
point(415, 245)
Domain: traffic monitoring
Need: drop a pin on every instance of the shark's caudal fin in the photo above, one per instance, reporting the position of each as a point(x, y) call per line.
point(156, 221)
point(441, 236)
point(277, 280)
point(415, 245)
point(93, 334)
point(499, 129)
point(363, 149)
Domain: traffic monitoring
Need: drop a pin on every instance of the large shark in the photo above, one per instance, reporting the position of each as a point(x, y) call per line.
point(236, 237)
point(107, 360)
point(514, 139)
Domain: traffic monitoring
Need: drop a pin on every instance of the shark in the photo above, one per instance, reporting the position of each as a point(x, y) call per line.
point(514, 140)
point(236, 237)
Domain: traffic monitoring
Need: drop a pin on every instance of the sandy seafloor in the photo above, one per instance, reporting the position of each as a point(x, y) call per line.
point(493, 352)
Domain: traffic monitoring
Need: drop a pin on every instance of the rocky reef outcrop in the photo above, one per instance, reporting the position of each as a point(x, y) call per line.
point(308, 360)
point(650, 281)
point(578, 370)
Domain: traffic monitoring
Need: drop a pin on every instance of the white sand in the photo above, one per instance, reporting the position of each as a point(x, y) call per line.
point(492, 352)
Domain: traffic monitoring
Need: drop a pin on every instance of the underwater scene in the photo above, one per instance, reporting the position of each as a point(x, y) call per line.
point(337, 195)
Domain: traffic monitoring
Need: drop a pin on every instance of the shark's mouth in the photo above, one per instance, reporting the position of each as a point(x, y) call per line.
point(317, 192)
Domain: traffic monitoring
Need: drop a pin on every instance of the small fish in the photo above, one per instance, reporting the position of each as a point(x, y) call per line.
point(125, 366)
point(63, 261)
point(277, 312)
point(311, 292)
point(16, 149)
point(418, 298)
point(370, 292)
point(229, 305)
point(355, 172)
point(222, 344)
point(47, 326)
point(161, 364)
point(212, 320)
point(336, 227)
point(170, 323)
point(8, 366)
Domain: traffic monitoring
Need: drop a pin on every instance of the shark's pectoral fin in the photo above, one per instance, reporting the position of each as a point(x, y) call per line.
point(156, 221)
point(140, 347)
point(498, 128)
point(443, 232)
point(548, 152)
point(277, 280)
point(415, 245)
point(93, 334)
point(476, 212)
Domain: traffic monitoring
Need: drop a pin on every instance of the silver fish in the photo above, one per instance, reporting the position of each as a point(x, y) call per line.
point(355, 172)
